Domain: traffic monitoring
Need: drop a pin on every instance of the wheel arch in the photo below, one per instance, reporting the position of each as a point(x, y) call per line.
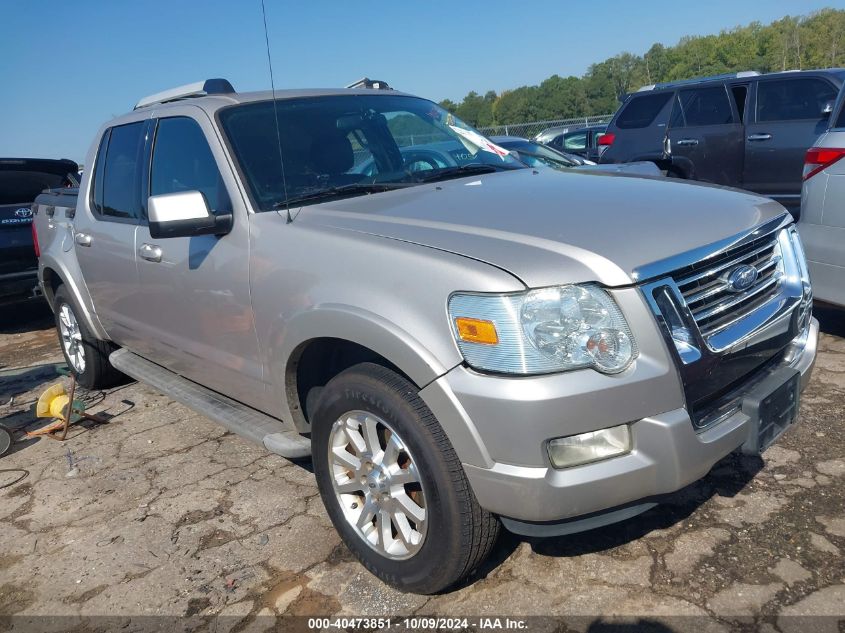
point(321, 343)
point(52, 274)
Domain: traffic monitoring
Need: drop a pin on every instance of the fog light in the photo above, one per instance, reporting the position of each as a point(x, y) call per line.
point(590, 447)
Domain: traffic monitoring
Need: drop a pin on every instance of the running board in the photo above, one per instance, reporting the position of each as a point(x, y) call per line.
point(238, 418)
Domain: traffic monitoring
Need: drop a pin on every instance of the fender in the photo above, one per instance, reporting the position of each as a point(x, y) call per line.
point(387, 339)
point(74, 282)
point(360, 326)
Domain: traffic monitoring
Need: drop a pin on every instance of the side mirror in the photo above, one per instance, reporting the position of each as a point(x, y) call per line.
point(827, 108)
point(184, 214)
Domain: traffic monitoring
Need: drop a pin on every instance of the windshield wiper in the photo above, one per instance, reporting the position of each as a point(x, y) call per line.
point(355, 188)
point(463, 170)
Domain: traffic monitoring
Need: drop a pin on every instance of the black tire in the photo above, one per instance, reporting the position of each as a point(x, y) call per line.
point(98, 372)
point(5, 440)
point(460, 534)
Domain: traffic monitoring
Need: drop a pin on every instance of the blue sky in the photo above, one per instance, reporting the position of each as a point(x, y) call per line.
point(68, 67)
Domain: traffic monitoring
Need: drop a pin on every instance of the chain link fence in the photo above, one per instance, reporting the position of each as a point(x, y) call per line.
point(530, 130)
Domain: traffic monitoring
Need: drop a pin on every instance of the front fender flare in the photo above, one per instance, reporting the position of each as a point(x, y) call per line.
point(360, 326)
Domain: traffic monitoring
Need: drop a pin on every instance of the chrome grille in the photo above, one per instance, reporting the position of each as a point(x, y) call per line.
point(707, 293)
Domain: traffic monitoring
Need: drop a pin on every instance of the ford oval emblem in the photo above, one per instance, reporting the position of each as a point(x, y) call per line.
point(742, 278)
point(23, 213)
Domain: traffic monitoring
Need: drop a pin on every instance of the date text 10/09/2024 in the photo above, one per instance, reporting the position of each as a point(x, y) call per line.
point(421, 623)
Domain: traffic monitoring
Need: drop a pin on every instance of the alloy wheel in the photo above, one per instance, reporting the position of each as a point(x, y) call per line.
point(377, 484)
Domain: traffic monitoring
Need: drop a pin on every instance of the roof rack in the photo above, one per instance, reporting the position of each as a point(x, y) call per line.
point(698, 80)
point(373, 84)
point(198, 89)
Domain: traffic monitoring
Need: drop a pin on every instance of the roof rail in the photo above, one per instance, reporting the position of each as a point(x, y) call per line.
point(198, 89)
point(373, 84)
point(698, 80)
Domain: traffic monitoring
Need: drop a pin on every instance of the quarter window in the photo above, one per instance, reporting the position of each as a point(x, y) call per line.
point(793, 99)
point(182, 161)
point(115, 189)
point(641, 111)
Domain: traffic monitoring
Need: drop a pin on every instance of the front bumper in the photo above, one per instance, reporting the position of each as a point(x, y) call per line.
point(668, 453)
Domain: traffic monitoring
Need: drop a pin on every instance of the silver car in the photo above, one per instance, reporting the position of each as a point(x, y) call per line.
point(822, 223)
point(457, 347)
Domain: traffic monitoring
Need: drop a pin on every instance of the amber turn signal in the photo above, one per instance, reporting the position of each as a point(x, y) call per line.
point(477, 331)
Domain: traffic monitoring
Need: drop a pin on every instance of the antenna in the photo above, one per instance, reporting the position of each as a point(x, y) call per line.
point(276, 113)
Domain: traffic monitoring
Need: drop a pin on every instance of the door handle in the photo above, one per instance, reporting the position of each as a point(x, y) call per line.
point(759, 137)
point(687, 141)
point(150, 252)
point(82, 239)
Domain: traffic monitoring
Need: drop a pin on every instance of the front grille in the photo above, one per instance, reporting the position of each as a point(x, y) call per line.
point(704, 285)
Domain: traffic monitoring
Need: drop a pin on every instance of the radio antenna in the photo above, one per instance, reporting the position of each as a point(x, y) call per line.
point(276, 113)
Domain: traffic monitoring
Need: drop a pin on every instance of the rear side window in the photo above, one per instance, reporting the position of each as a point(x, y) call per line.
point(795, 99)
point(575, 141)
point(182, 161)
point(703, 106)
point(641, 111)
point(116, 173)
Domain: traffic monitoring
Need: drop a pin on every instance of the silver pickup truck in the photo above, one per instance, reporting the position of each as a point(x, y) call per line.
point(458, 346)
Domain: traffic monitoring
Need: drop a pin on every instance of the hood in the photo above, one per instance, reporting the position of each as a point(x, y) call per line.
point(552, 227)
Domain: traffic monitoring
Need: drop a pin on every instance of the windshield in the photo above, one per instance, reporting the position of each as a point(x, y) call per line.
point(341, 146)
point(537, 155)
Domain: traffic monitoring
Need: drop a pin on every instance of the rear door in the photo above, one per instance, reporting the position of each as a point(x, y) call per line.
point(705, 135)
point(788, 115)
point(104, 229)
point(639, 128)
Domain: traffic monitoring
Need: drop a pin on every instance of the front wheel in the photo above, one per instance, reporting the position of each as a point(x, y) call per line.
point(393, 485)
point(87, 356)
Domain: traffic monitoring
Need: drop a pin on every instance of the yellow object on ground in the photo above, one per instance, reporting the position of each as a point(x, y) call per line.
point(53, 402)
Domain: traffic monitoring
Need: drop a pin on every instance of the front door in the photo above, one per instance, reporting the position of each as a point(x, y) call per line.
point(788, 117)
point(104, 229)
point(705, 136)
point(198, 316)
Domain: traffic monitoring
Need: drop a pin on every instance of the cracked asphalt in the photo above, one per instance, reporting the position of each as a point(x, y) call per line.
point(161, 512)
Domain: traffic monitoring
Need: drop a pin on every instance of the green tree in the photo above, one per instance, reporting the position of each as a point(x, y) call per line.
point(816, 40)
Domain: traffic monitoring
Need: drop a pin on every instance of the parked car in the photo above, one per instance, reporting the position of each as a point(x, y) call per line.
point(454, 348)
point(743, 129)
point(583, 141)
point(542, 156)
point(822, 224)
point(21, 180)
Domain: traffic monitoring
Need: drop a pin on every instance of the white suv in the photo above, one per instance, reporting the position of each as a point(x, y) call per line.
point(822, 223)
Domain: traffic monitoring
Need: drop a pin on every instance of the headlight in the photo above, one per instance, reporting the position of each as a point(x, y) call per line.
point(542, 331)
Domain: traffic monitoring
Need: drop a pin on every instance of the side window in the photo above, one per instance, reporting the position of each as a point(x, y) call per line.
point(97, 187)
point(706, 106)
point(575, 141)
point(793, 99)
point(641, 111)
point(840, 119)
point(182, 161)
point(677, 119)
point(116, 173)
point(740, 93)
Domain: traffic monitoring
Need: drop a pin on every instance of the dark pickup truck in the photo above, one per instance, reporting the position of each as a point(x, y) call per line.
point(21, 180)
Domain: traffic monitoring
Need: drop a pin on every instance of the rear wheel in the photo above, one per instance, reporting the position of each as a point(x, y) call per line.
point(87, 356)
point(393, 485)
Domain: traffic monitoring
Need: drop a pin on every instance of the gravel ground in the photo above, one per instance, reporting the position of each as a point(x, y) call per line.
point(161, 512)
